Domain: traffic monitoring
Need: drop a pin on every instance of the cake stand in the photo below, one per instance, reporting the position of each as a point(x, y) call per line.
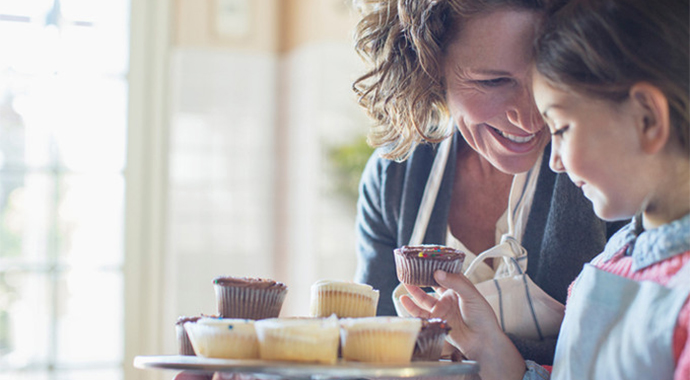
point(310, 371)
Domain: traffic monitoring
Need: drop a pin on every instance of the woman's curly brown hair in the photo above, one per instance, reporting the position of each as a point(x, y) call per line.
point(404, 41)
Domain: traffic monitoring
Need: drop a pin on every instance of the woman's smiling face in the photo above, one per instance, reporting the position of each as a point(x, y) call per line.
point(487, 73)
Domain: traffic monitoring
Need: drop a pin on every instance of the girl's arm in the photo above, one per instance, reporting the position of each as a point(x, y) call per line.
point(475, 331)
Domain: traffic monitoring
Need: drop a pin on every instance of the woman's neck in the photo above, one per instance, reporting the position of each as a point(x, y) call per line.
point(480, 166)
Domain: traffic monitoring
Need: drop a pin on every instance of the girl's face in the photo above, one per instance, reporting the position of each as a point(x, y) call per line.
point(596, 143)
point(487, 72)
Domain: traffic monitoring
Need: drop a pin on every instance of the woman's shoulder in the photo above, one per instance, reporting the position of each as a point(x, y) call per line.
point(383, 170)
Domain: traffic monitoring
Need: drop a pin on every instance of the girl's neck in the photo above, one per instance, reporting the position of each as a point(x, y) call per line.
point(672, 199)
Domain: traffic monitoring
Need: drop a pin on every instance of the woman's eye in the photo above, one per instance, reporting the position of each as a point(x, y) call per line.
point(493, 82)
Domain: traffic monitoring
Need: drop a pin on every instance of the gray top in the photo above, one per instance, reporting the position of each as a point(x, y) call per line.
point(562, 231)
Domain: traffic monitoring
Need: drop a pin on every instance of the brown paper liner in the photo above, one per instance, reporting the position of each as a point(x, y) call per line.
point(419, 271)
point(247, 303)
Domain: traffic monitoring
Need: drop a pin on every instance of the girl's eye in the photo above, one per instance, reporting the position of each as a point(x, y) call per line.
point(560, 131)
point(493, 82)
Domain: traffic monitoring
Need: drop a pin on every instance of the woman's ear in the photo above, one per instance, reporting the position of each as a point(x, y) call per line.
point(652, 115)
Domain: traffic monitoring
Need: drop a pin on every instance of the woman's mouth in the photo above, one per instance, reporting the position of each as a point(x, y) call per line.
point(515, 138)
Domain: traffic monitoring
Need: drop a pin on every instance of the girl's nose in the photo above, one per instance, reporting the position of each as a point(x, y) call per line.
point(555, 162)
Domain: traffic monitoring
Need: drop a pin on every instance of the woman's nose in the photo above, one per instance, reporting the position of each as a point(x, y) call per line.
point(523, 113)
point(555, 162)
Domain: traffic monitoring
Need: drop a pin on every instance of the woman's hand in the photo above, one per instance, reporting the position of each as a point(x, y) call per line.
point(213, 376)
point(193, 376)
point(474, 328)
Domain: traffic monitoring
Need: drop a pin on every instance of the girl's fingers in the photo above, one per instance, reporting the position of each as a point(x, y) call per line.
point(413, 308)
point(457, 282)
point(421, 297)
point(439, 290)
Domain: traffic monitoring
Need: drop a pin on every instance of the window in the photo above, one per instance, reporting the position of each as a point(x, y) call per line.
point(63, 124)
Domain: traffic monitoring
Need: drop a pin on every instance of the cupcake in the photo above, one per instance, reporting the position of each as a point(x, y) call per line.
point(184, 346)
point(416, 264)
point(379, 339)
point(344, 299)
point(249, 298)
point(223, 338)
point(430, 340)
point(314, 340)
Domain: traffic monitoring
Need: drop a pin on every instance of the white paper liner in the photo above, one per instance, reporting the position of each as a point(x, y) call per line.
point(303, 340)
point(379, 339)
point(327, 301)
point(232, 340)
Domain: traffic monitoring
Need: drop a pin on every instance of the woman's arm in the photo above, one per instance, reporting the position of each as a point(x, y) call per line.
point(376, 235)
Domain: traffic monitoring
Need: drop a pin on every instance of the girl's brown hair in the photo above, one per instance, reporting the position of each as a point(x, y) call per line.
point(404, 41)
point(603, 47)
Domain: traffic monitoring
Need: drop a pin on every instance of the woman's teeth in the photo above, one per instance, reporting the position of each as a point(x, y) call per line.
point(516, 139)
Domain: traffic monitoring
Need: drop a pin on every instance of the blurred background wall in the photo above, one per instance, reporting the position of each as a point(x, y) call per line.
point(233, 147)
point(260, 102)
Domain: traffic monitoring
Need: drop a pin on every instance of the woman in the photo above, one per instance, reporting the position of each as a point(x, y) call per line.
point(464, 64)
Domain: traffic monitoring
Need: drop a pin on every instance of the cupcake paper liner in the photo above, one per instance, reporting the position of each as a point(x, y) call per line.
point(305, 340)
point(184, 345)
point(234, 340)
point(420, 271)
point(325, 302)
point(379, 339)
point(429, 348)
point(247, 303)
point(378, 346)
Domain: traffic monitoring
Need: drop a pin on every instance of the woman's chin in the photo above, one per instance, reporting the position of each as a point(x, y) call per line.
point(513, 165)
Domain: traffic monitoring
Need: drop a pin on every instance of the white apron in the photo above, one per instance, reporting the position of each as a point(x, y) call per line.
point(617, 328)
point(522, 308)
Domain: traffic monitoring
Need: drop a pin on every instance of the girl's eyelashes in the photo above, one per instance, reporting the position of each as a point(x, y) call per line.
point(559, 131)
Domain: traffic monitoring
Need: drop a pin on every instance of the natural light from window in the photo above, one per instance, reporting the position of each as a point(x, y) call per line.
point(63, 124)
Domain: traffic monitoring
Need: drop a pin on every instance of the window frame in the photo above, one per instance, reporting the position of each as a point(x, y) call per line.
point(146, 183)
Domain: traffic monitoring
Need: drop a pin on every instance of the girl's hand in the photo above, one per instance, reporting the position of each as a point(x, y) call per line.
point(474, 328)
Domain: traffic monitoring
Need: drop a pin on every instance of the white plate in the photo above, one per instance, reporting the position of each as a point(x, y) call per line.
point(340, 370)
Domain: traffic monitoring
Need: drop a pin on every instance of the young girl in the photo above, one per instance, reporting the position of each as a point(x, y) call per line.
point(612, 83)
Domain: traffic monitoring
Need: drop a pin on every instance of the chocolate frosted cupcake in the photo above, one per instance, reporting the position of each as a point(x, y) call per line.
point(184, 346)
point(429, 344)
point(416, 264)
point(249, 298)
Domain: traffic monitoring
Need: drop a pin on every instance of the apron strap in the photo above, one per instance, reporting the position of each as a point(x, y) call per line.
point(430, 192)
point(519, 205)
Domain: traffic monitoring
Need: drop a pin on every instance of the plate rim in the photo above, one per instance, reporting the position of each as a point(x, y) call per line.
point(341, 369)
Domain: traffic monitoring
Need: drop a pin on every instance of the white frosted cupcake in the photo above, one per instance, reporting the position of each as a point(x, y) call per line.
point(223, 338)
point(299, 339)
point(379, 339)
point(344, 299)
